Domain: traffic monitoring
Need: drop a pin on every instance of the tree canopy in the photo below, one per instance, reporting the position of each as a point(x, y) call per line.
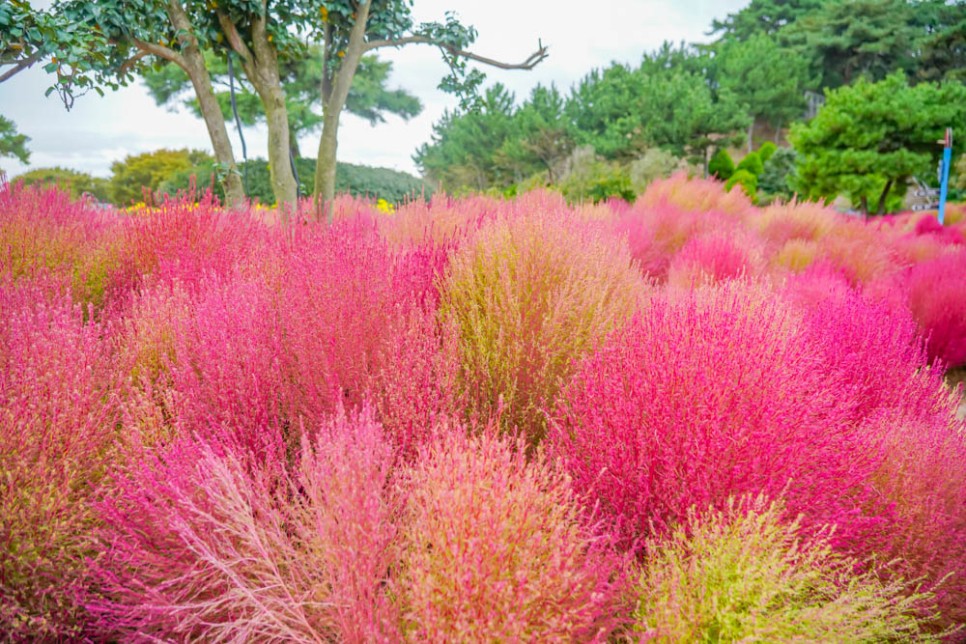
point(870, 138)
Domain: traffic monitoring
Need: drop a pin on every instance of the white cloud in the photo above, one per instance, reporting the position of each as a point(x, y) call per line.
point(581, 36)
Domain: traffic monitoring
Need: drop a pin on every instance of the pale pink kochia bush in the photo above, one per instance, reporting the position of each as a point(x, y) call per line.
point(443, 221)
point(499, 549)
point(695, 195)
point(804, 221)
point(708, 395)
point(748, 573)
point(201, 545)
point(716, 257)
point(528, 296)
point(937, 298)
point(860, 251)
point(57, 425)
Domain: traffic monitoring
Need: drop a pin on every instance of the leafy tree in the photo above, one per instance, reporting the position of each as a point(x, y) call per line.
point(848, 39)
point(147, 171)
point(465, 145)
point(621, 112)
point(766, 17)
point(369, 98)
point(29, 36)
point(769, 79)
point(870, 138)
point(354, 28)
point(943, 43)
point(13, 144)
point(541, 136)
point(74, 182)
point(172, 31)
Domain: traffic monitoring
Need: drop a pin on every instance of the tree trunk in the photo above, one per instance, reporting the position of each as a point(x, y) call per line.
point(279, 147)
point(260, 63)
point(882, 198)
point(325, 164)
point(217, 129)
point(193, 63)
point(334, 97)
point(751, 133)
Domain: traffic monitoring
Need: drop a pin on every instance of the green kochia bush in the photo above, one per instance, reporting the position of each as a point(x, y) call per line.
point(721, 165)
point(531, 294)
point(747, 573)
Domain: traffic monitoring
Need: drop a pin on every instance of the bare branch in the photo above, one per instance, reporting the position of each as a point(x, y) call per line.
point(132, 61)
point(19, 66)
point(534, 59)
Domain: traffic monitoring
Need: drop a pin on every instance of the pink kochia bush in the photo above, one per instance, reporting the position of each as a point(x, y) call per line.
point(731, 391)
point(706, 395)
point(202, 545)
point(57, 424)
point(498, 549)
point(217, 425)
point(937, 299)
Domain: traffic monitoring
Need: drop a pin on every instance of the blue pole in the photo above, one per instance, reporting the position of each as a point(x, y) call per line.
point(944, 184)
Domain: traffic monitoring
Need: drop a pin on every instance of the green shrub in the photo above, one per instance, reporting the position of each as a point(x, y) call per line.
point(752, 163)
point(149, 170)
point(721, 165)
point(747, 181)
point(766, 150)
point(776, 179)
point(357, 180)
point(654, 164)
point(588, 177)
point(74, 182)
point(745, 574)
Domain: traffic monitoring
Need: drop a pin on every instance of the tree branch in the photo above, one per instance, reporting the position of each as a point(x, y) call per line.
point(534, 59)
point(19, 66)
point(132, 61)
point(235, 40)
point(161, 52)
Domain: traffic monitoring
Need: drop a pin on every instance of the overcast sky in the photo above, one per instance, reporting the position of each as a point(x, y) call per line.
point(580, 35)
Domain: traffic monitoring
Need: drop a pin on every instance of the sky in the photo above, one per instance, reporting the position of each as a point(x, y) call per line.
point(581, 36)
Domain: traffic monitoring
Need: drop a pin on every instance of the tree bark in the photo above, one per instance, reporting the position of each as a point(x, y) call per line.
point(751, 133)
point(332, 106)
point(882, 198)
point(191, 60)
point(260, 63)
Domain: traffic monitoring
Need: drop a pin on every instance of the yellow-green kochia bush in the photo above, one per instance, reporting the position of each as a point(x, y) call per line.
point(532, 293)
point(747, 573)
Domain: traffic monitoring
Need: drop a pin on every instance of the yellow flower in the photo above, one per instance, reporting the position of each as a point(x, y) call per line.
point(385, 207)
point(325, 14)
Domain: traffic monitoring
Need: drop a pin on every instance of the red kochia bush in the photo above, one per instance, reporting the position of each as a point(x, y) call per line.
point(937, 299)
point(201, 545)
point(57, 422)
point(708, 395)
